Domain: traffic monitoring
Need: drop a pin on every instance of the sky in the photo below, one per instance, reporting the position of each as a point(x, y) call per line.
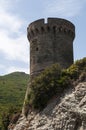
point(16, 15)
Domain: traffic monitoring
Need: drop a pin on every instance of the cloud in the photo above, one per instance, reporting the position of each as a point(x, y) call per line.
point(9, 22)
point(13, 40)
point(67, 8)
point(12, 23)
point(14, 49)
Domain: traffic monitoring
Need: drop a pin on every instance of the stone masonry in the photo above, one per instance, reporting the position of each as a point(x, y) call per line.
point(50, 43)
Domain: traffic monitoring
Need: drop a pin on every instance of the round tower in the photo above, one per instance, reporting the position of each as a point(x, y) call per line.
point(50, 43)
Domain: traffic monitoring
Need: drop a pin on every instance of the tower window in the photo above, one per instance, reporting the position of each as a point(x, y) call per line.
point(37, 49)
point(54, 29)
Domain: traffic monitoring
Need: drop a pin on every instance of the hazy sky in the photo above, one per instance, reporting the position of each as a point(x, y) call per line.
point(15, 15)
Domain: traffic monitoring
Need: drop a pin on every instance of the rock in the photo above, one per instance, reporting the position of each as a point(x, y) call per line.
point(68, 114)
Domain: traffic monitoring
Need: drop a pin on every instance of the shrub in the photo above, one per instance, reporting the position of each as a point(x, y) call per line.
point(5, 121)
point(44, 87)
point(10, 116)
point(76, 69)
point(52, 81)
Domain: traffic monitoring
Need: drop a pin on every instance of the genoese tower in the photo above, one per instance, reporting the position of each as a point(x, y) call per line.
point(50, 43)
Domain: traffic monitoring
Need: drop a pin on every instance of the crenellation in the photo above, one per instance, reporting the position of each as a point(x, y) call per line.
point(50, 43)
point(47, 29)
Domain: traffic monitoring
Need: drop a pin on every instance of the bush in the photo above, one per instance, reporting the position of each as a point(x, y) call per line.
point(10, 116)
point(44, 87)
point(5, 121)
point(52, 81)
point(76, 69)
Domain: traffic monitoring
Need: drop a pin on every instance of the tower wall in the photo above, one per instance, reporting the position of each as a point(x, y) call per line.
point(50, 43)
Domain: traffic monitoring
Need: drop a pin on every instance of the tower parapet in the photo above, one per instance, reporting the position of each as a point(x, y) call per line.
point(50, 43)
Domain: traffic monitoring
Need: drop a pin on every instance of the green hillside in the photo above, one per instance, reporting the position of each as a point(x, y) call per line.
point(12, 90)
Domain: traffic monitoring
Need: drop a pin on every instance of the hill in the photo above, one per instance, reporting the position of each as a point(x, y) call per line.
point(12, 90)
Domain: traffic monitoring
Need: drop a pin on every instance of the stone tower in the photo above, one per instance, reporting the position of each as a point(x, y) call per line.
point(50, 43)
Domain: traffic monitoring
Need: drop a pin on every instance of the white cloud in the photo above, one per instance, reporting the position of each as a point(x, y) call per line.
point(67, 8)
point(9, 22)
point(13, 42)
point(14, 49)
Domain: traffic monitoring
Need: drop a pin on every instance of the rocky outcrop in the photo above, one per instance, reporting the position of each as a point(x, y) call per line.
point(66, 113)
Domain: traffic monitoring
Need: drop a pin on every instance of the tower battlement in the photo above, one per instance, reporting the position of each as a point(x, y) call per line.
point(55, 25)
point(50, 43)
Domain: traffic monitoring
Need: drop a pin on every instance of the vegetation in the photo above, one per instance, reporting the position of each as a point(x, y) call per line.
point(53, 81)
point(75, 70)
point(12, 93)
point(11, 116)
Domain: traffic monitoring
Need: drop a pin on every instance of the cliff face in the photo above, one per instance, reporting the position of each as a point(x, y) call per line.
point(66, 113)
